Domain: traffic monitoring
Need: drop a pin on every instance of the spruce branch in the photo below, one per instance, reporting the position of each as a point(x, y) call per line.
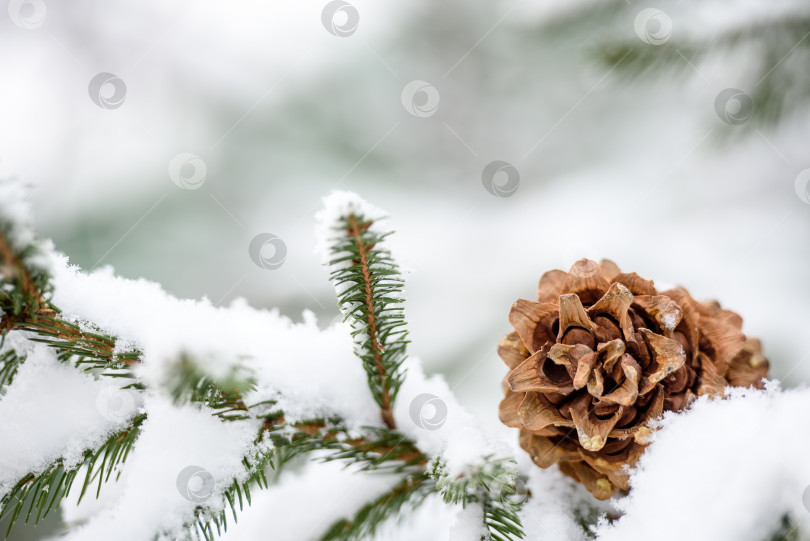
point(369, 289)
point(25, 304)
point(493, 485)
point(775, 42)
point(88, 350)
point(370, 295)
point(411, 492)
point(44, 490)
point(23, 288)
point(187, 383)
point(377, 450)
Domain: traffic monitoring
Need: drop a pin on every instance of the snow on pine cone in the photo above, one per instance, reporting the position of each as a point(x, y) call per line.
point(600, 354)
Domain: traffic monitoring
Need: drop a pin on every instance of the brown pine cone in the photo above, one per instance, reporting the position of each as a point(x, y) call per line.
point(600, 355)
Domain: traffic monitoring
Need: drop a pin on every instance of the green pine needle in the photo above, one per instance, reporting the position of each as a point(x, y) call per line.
point(9, 363)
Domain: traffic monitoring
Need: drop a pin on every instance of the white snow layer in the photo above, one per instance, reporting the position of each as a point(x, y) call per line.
point(337, 206)
point(52, 410)
point(726, 469)
point(312, 500)
point(314, 371)
point(184, 457)
point(34, 433)
point(427, 412)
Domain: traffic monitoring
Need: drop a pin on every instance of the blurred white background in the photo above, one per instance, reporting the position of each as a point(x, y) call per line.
point(611, 118)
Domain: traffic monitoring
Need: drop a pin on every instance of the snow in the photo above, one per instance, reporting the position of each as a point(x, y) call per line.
point(439, 425)
point(322, 493)
point(468, 524)
point(180, 448)
point(15, 208)
point(726, 469)
point(670, 320)
point(313, 499)
point(335, 207)
point(732, 467)
point(312, 373)
point(550, 512)
point(35, 433)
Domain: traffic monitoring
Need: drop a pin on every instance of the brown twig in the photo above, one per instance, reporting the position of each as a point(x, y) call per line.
point(13, 267)
point(355, 230)
point(40, 316)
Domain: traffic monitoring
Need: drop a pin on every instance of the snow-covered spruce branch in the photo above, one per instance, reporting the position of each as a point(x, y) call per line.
point(380, 451)
point(227, 392)
point(369, 289)
point(410, 492)
point(496, 487)
point(35, 495)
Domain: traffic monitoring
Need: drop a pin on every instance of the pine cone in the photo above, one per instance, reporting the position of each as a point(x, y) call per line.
point(600, 355)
